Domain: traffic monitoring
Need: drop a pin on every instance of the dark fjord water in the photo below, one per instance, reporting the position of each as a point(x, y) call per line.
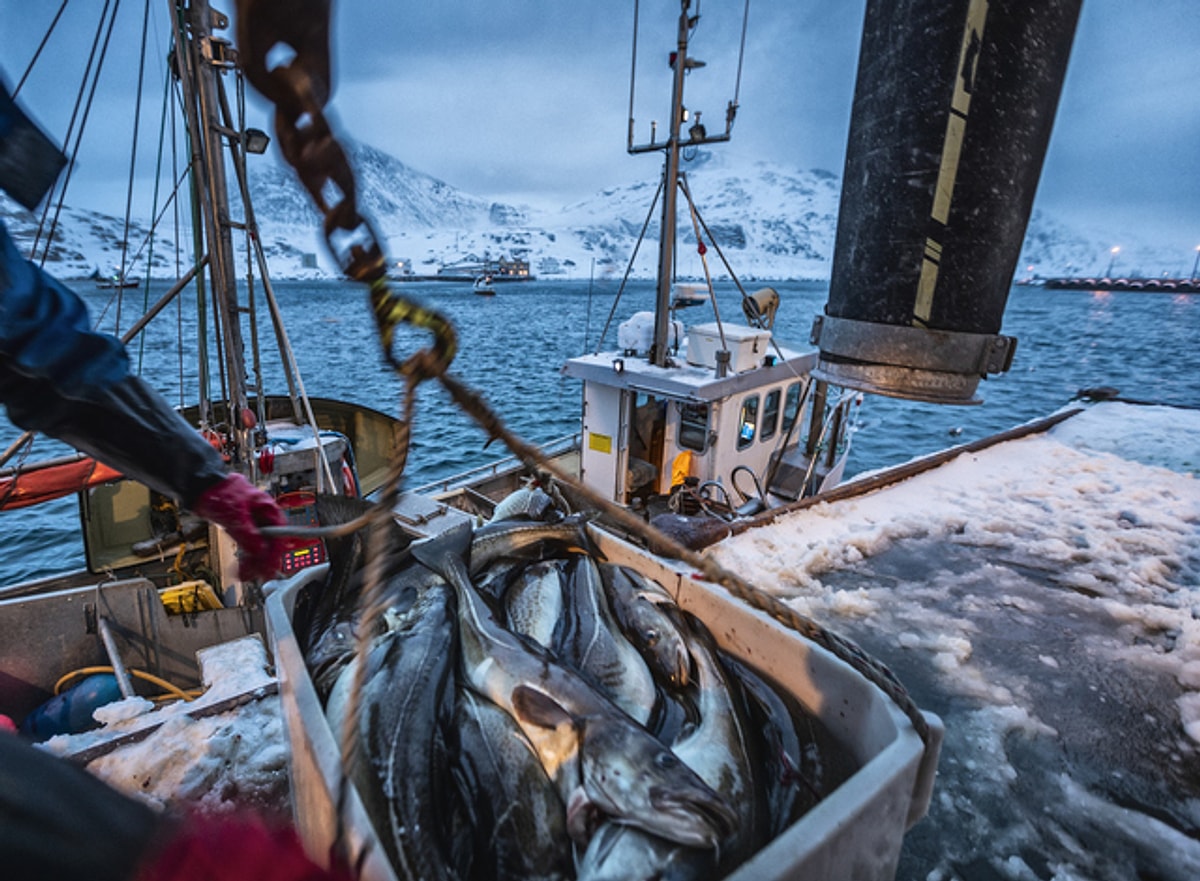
point(513, 345)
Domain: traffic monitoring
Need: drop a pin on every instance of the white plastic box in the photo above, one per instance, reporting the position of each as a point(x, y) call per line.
point(747, 346)
point(855, 832)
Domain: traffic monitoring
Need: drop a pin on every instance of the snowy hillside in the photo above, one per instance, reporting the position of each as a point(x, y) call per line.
point(770, 222)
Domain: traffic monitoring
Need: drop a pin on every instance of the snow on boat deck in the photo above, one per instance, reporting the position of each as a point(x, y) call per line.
point(1042, 597)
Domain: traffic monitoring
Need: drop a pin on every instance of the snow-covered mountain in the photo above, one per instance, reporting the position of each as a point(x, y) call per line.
point(769, 221)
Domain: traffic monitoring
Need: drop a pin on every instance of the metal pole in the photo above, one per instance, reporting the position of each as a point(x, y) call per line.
point(666, 251)
point(124, 683)
point(199, 68)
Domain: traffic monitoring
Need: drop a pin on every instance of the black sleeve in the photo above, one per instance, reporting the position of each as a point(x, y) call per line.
point(59, 822)
point(127, 426)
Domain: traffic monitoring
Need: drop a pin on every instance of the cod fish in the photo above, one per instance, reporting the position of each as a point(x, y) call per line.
point(716, 748)
point(402, 772)
point(533, 604)
point(600, 759)
point(786, 786)
point(638, 605)
point(325, 615)
point(529, 501)
point(520, 822)
point(594, 645)
point(528, 540)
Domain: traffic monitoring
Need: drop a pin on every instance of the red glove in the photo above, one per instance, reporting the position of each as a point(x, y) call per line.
point(241, 508)
point(233, 849)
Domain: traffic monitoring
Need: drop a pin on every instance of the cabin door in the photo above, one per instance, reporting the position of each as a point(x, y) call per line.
point(604, 451)
point(647, 431)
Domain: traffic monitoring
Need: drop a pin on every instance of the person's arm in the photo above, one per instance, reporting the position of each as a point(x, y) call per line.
point(59, 377)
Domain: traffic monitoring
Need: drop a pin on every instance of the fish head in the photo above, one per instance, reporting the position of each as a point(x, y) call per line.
point(638, 781)
point(663, 641)
point(446, 552)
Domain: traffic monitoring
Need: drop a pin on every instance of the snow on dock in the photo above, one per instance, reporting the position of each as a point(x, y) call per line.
point(1043, 597)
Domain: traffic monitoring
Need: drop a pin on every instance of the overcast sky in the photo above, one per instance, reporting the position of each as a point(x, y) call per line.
point(527, 100)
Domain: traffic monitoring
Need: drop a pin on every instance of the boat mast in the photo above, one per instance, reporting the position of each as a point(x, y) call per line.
point(673, 147)
point(200, 58)
point(666, 243)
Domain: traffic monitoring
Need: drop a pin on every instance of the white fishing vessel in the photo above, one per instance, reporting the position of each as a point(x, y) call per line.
point(700, 422)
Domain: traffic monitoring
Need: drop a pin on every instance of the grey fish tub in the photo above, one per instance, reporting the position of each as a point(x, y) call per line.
point(835, 785)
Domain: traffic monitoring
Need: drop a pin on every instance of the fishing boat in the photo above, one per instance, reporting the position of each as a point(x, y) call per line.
point(484, 287)
point(119, 281)
point(158, 584)
point(698, 424)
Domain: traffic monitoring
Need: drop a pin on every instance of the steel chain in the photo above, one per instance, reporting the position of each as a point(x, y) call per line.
point(269, 32)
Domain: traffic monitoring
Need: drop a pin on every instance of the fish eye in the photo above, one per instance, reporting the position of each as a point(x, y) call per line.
point(652, 637)
point(666, 760)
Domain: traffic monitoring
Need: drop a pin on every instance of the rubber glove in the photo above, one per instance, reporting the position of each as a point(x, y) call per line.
point(233, 848)
point(241, 508)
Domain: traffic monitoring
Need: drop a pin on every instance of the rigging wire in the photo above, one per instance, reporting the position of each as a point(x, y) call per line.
point(87, 109)
point(633, 70)
point(42, 45)
point(137, 121)
point(74, 152)
point(154, 213)
point(737, 88)
point(629, 266)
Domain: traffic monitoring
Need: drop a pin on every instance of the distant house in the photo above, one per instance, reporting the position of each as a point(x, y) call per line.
point(502, 269)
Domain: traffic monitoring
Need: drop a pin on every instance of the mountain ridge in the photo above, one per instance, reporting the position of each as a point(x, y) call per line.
point(770, 222)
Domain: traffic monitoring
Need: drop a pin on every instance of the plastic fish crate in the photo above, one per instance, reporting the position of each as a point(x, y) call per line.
point(747, 346)
point(856, 831)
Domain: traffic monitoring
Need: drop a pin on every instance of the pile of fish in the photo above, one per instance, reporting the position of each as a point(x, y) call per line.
point(531, 711)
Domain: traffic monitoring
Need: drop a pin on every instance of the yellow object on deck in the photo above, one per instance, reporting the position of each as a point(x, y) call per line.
point(190, 596)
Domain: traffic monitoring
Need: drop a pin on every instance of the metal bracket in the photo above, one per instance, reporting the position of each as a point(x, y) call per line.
point(913, 347)
point(219, 52)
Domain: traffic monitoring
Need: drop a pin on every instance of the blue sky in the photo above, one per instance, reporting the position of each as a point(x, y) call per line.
point(527, 100)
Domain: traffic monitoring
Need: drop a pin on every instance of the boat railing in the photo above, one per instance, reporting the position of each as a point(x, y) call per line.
point(550, 449)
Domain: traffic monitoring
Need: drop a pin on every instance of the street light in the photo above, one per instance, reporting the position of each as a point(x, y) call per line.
point(1111, 260)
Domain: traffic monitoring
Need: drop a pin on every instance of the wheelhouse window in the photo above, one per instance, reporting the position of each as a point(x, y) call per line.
point(693, 426)
point(791, 406)
point(748, 422)
point(770, 416)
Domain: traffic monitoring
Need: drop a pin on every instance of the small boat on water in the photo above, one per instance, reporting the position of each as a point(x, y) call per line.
point(484, 286)
point(119, 281)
